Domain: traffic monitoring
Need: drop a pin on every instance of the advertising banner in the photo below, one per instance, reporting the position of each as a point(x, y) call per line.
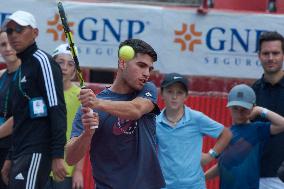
point(216, 44)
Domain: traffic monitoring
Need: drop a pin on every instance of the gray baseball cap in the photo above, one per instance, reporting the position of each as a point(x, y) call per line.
point(241, 95)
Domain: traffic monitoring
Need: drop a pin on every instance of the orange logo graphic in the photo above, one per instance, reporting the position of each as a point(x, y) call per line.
point(184, 37)
point(58, 28)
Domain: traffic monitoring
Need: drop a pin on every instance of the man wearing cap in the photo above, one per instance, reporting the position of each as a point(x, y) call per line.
point(238, 165)
point(38, 109)
point(269, 90)
point(180, 132)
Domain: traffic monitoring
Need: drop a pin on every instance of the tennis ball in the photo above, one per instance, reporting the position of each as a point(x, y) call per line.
point(126, 53)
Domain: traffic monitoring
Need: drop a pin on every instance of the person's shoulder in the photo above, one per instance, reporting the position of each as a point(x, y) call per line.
point(41, 52)
point(257, 83)
point(104, 93)
point(258, 126)
point(150, 84)
point(42, 56)
point(260, 123)
point(74, 89)
point(159, 117)
point(194, 114)
point(149, 89)
point(2, 72)
point(45, 61)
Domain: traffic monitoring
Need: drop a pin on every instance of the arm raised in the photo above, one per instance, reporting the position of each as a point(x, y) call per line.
point(77, 147)
point(277, 121)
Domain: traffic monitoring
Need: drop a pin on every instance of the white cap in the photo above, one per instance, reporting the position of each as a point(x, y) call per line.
point(22, 18)
point(62, 49)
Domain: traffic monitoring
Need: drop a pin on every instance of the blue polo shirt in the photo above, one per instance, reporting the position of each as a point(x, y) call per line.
point(239, 163)
point(180, 148)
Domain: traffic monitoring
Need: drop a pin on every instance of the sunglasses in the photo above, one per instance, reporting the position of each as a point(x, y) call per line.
point(18, 29)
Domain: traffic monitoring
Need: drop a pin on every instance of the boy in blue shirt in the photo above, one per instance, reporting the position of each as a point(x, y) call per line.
point(180, 132)
point(239, 163)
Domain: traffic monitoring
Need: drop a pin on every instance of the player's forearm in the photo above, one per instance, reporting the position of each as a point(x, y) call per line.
point(131, 110)
point(6, 128)
point(277, 122)
point(76, 148)
point(275, 119)
point(223, 140)
point(79, 166)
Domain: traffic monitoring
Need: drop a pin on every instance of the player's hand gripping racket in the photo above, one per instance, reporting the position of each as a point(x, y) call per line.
point(69, 37)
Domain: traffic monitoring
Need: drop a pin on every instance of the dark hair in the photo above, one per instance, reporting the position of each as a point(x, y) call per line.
point(271, 36)
point(140, 46)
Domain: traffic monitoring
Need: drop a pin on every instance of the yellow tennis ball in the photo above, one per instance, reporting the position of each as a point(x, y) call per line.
point(126, 53)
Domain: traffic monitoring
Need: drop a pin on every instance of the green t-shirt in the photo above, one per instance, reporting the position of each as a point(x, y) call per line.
point(72, 105)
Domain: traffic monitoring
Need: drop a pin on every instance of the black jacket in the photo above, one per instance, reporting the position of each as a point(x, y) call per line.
point(38, 76)
point(272, 98)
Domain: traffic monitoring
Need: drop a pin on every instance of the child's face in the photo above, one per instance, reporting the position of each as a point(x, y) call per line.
point(239, 114)
point(67, 66)
point(174, 96)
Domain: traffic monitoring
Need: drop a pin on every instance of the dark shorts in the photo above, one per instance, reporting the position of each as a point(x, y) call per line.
point(30, 171)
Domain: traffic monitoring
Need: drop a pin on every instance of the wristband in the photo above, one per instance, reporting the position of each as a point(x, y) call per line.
point(264, 112)
point(213, 153)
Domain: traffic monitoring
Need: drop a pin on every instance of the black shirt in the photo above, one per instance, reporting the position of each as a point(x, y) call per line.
point(38, 76)
point(272, 98)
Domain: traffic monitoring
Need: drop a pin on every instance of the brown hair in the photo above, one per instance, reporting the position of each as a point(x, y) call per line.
point(271, 36)
point(140, 46)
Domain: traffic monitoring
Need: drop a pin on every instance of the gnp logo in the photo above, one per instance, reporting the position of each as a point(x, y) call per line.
point(91, 29)
point(185, 37)
point(218, 39)
point(58, 31)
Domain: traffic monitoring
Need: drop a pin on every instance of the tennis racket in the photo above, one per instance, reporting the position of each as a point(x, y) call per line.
point(69, 37)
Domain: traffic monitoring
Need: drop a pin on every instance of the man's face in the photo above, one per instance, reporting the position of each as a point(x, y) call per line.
point(6, 51)
point(67, 66)
point(20, 37)
point(174, 96)
point(271, 56)
point(136, 72)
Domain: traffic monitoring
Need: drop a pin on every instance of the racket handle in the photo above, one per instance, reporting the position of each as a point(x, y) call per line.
point(95, 126)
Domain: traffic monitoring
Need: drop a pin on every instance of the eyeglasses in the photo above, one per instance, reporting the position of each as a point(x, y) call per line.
point(18, 29)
